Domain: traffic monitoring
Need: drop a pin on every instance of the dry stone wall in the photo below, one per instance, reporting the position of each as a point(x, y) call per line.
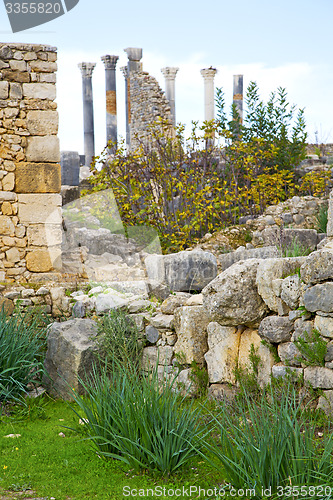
point(148, 106)
point(30, 173)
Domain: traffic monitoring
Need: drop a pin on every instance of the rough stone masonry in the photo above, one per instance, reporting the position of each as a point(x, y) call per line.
point(30, 173)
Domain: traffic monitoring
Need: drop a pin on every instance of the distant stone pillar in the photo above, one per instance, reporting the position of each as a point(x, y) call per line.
point(170, 76)
point(238, 95)
point(110, 63)
point(134, 57)
point(208, 76)
point(88, 111)
point(124, 71)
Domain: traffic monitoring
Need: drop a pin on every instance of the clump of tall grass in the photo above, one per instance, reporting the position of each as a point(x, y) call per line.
point(322, 218)
point(269, 444)
point(21, 343)
point(138, 419)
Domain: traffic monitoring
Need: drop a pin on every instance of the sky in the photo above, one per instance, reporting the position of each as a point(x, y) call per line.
point(276, 43)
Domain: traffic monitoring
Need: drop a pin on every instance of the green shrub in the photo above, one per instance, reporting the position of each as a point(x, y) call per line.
point(268, 444)
point(322, 218)
point(21, 343)
point(118, 339)
point(139, 420)
point(313, 348)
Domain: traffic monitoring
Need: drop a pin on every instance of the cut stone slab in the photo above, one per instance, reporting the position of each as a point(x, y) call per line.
point(69, 356)
point(191, 327)
point(276, 329)
point(222, 356)
point(182, 271)
point(38, 178)
point(319, 377)
point(232, 298)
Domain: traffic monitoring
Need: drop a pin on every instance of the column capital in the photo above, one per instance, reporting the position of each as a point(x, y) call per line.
point(208, 73)
point(133, 54)
point(86, 69)
point(110, 62)
point(169, 73)
point(124, 71)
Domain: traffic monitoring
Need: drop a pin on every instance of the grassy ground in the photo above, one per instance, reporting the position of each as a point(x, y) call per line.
point(67, 467)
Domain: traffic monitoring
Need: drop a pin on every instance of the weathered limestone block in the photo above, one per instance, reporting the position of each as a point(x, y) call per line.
point(42, 235)
point(13, 255)
point(185, 383)
point(276, 329)
point(289, 354)
point(190, 324)
point(39, 261)
point(232, 298)
point(39, 209)
point(153, 356)
point(6, 304)
point(43, 66)
point(39, 91)
point(152, 334)
point(291, 290)
point(248, 338)
point(162, 321)
point(112, 300)
point(42, 122)
point(222, 392)
point(6, 208)
point(272, 269)
point(7, 196)
point(325, 402)
point(38, 178)
point(8, 182)
point(6, 226)
point(182, 271)
point(286, 372)
point(170, 304)
point(319, 298)
point(318, 266)
point(4, 89)
point(69, 355)
point(319, 377)
point(324, 325)
point(222, 356)
point(43, 149)
point(303, 329)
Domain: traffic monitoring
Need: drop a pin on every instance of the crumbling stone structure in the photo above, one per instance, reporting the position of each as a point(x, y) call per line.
point(30, 173)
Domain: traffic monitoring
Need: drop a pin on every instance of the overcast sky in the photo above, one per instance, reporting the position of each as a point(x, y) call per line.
point(274, 42)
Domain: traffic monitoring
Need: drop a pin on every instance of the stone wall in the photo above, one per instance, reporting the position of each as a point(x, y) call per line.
point(148, 106)
point(30, 219)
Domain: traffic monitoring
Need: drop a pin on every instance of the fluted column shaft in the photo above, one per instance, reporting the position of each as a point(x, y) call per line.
point(170, 89)
point(88, 111)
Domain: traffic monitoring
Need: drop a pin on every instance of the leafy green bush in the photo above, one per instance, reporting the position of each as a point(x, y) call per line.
point(139, 420)
point(269, 444)
point(312, 347)
point(118, 339)
point(21, 343)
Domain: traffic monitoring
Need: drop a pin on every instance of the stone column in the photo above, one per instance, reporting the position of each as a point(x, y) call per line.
point(238, 95)
point(124, 71)
point(170, 76)
point(208, 76)
point(111, 97)
point(88, 111)
point(134, 57)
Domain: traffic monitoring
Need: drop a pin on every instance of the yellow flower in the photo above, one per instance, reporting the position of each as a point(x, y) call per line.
point(16, 449)
point(5, 467)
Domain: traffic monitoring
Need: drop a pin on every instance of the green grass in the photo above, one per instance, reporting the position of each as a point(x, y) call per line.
point(68, 468)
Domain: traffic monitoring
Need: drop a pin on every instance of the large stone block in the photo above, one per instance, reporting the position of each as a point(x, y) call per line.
point(271, 270)
point(319, 377)
point(38, 178)
point(318, 266)
point(39, 209)
point(44, 235)
point(276, 329)
point(190, 324)
point(42, 122)
point(4, 89)
point(223, 353)
point(319, 298)
point(182, 271)
point(7, 227)
point(324, 325)
point(69, 356)
point(39, 261)
point(248, 339)
point(43, 149)
point(39, 91)
point(232, 298)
